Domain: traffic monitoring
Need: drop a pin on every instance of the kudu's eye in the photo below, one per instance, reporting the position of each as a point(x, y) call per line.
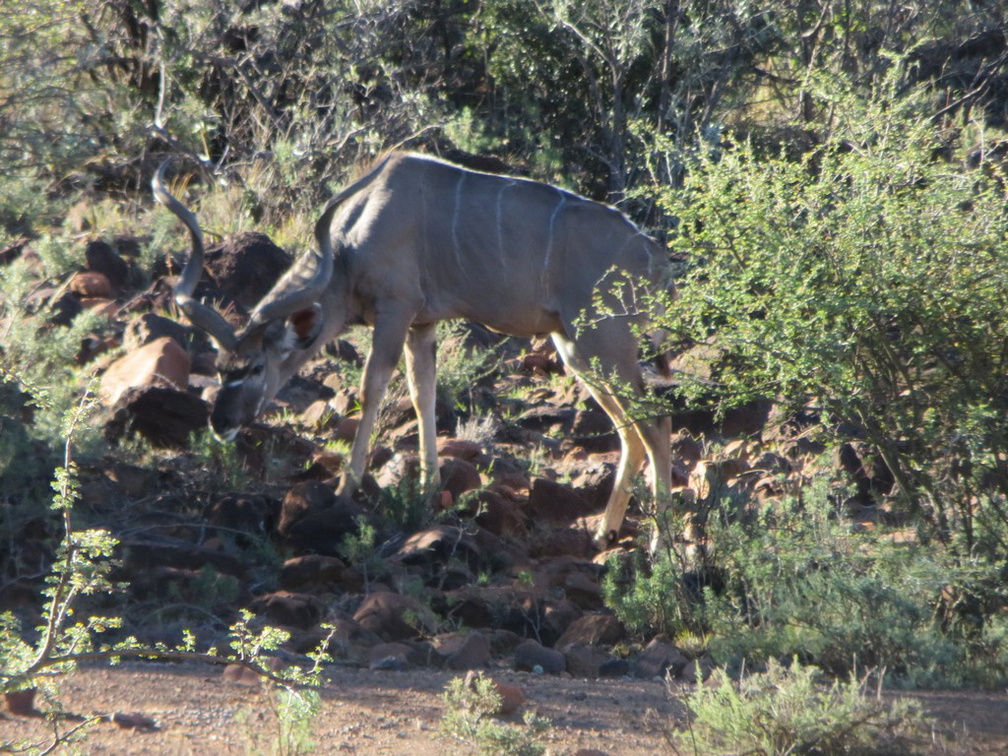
point(257, 369)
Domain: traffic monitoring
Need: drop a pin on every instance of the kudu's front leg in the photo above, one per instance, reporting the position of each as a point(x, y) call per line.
point(386, 348)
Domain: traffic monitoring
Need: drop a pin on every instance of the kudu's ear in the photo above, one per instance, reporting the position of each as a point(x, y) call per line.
point(305, 326)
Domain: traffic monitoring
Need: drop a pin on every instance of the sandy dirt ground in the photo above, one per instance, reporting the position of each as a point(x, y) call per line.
point(195, 710)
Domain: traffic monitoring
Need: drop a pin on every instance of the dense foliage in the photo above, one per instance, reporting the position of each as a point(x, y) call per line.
point(865, 278)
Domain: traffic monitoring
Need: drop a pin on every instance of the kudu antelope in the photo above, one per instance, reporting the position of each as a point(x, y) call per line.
point(418, 240)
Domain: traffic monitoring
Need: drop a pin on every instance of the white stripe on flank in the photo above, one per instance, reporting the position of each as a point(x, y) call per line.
point(500, 224)
point(455, 217)
point(552, 223)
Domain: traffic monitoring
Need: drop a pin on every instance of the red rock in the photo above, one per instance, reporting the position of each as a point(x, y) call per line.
point(554, 502)
point(497, 513)
point(470, 651)
point(239, 674)
point(391, 616)
point(311, 570)
point(458, 448)
point(89, 284)
point(584, 661)
point(21, 703)
point(440, 545)
point(593, 630)
point(313, 518)
point(698, 671)
point(538, 363)
point(164, 415)
point(159, 363)
point(346, 429)
point(100, 306)
point(289, 609)
point(379, 655)
point(245, 266)
point(459, 476)
point(533, 657)
point(319, 416)
point(583, 591)
point(102, 258)
point(331, 462)
point(512, 697)
point(658, 659)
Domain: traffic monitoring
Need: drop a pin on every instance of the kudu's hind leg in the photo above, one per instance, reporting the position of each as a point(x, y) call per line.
point(644, 439)
point(632, 458)
point(421, 375)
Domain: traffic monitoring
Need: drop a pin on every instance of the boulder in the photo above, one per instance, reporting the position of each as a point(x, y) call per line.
point(584, 661)
point(511, 696)
point(392, 616)
point(593, 630)
point(698, 671)
point(468, 651)
point(440, 545)
point(102, 258)
point(554, 502)
point(658, 659)
point(245, 266)
point(497, 513)
point(311, 571)
point(163, 362)
point(314, 519)
point(458, 448)
point(348, 640)
point(149, 327)
point(583, 591)
point(391, 656)
point(593, 430)
point(88, 284)
point(287, 609)
point(247, 513)
point(459, 476)
point(164, 416)
point(531, 656)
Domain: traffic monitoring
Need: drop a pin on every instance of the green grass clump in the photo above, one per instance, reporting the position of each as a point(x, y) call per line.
point(786, 711)
point(471, 706)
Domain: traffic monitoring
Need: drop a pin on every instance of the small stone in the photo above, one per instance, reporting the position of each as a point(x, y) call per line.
point(388, 664)
point(134, 721)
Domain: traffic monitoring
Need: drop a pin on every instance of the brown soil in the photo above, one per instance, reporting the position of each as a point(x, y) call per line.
point(196, 711)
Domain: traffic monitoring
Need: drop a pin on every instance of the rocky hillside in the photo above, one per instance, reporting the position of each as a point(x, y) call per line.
point(500, 564)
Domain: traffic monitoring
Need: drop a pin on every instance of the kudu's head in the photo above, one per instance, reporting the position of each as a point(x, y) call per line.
point(251, 360)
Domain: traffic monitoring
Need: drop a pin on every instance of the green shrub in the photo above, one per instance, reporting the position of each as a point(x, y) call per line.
point(82, 565)
point(649, 596)
point(798, 581)
point(866, 278)
point(787, 711)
